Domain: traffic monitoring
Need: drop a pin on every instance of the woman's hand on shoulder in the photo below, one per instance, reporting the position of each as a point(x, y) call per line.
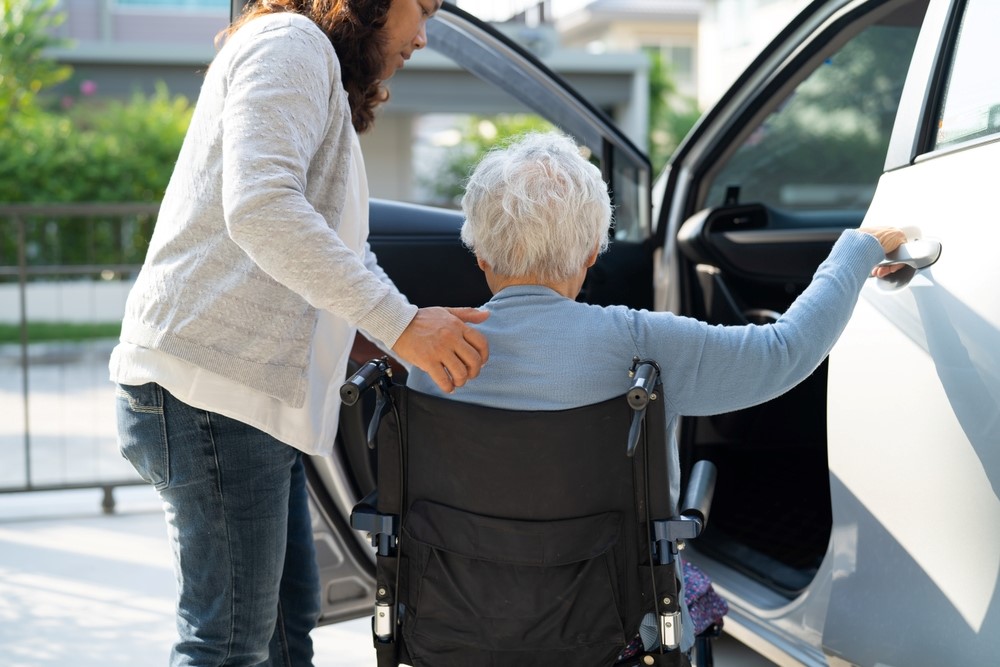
point(440, 342)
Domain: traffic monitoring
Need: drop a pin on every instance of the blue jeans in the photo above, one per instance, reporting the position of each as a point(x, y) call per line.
point(239, 527)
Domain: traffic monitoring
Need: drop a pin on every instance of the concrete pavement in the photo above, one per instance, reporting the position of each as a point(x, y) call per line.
point(79, 588)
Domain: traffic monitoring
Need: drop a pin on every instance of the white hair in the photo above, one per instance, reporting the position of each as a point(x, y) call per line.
point(536, 208)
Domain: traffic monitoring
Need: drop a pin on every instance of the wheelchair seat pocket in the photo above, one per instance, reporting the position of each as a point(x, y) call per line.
point(510, 585)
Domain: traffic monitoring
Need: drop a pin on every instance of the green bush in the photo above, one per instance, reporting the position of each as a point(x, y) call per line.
point(85, 150)
point(76, 150)
point(25, 32)
point(98, 151)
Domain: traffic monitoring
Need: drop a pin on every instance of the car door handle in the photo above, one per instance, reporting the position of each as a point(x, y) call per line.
point(917, 254)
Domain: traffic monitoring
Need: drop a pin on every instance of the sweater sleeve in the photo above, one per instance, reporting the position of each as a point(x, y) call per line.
point(711, 369)
point(283, 98)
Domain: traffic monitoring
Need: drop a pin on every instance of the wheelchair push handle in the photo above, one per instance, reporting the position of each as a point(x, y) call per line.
point(645, 378)
point(363, 380)
point(645, 375)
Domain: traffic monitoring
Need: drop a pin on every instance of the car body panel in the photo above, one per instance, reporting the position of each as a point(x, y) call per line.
point(915, 433)
point(915, 492)
point(894, 587)
point(761, 270)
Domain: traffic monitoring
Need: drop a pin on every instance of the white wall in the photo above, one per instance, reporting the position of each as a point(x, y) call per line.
point(731, 34)
point(388, 150)
point(76, 301)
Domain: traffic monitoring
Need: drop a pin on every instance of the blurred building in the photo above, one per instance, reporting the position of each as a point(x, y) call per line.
point(667, 27)
point(125, 46)
point(122, 46)
point(731, 33)
point(705, 43)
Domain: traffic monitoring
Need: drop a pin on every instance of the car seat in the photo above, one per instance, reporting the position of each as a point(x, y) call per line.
point(509, 538)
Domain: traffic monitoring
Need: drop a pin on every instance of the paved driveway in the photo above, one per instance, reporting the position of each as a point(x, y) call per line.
point(82, 589)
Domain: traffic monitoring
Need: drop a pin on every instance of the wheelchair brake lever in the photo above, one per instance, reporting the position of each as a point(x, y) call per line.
point(381, 407)
point(375, 373)
point(634, 430)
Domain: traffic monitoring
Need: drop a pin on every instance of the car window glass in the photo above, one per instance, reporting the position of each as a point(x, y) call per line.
point(824, 146)
point(445, 113)
point(971, 105)
point(446, 145)
point(629, 193)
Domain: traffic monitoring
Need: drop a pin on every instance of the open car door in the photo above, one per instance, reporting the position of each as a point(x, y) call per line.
point(855, 517)
point(752, 202)
point(915, 486)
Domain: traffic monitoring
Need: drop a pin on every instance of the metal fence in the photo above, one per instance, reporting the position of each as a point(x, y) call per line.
point(65, 271)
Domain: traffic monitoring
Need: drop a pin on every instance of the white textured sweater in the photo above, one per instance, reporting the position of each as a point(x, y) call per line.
point(246, 246)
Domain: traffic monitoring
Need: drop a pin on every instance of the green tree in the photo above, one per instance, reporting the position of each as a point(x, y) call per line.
point(26, 30)
point(478, 135)
point(671, 115)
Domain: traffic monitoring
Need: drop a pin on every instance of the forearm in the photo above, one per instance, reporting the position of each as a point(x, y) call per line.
point(715, 369)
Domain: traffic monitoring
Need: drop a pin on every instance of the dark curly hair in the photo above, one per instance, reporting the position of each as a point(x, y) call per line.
point(354, 28)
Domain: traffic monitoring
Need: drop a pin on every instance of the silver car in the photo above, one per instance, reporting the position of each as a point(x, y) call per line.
point(856, 518)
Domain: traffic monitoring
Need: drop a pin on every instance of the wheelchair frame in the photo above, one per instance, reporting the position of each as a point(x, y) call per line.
point(383, 515)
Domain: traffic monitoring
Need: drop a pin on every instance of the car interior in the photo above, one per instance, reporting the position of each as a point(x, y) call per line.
point(774, 198)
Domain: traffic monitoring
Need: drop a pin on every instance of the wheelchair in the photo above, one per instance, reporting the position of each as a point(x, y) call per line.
point(514, 539)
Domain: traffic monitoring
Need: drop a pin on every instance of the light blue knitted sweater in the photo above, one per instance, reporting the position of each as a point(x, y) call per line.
point(548, 352)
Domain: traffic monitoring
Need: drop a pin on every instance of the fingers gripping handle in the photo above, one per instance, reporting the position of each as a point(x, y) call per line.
point(917, 254)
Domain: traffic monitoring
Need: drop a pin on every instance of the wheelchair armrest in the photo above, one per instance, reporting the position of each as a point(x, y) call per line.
point(693, 518)
point(363, 508)
point(700, 490)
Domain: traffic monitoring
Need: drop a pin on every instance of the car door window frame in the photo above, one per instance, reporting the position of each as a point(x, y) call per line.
point(972, 31)
point(915, 129)
point(458, 35)
point(827, 36)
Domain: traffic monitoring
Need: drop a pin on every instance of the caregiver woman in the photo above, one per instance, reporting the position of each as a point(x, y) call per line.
point(236, 335)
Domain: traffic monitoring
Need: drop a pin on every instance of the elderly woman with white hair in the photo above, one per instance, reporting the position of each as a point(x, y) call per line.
point(537, 217)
